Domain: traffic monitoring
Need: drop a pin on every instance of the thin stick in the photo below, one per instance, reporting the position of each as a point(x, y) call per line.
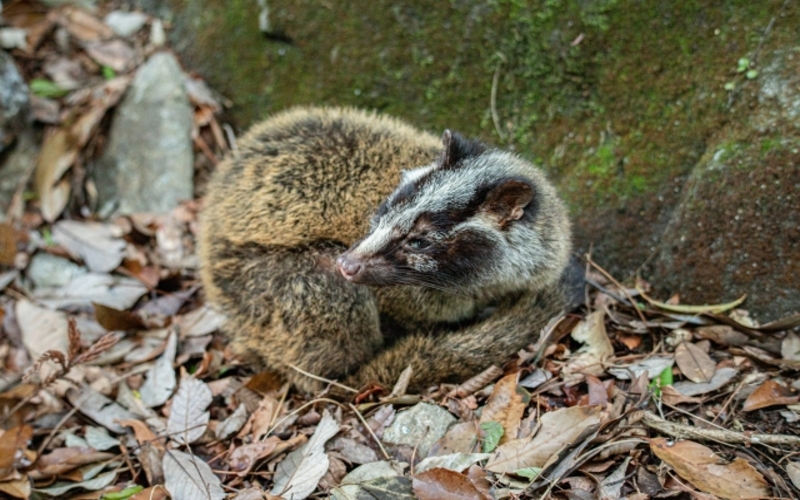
point(56, 429)
point(322, 379)
point(280, 404)
point(727, 403)
point(371, 432)
point(721, 436)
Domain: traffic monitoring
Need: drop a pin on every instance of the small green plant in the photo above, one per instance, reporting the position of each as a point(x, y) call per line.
point(529, 473)
point(493, 431)
point(744, 63)
point(45, 88)
point(124, 494)
point(665, 378)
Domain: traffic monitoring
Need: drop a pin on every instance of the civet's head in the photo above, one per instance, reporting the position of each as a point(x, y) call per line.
point(476, 221)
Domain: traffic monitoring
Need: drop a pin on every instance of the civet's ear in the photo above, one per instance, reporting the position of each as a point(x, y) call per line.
point(457, 148)
point(506, 201)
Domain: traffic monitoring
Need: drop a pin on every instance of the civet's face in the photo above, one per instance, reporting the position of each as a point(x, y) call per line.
point(445, 225)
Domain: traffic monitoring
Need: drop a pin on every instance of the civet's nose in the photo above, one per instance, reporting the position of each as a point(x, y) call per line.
point(349, 267)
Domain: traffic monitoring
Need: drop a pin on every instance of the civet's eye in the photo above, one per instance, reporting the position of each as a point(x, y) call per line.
point(418, 243)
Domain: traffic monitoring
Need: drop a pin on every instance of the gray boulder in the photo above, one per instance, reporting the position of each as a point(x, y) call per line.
point(148, 164)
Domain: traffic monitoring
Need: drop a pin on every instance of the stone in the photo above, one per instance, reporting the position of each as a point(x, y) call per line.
point(148, 163)
point(421, 426)
point(14, 101)
point(125, 24)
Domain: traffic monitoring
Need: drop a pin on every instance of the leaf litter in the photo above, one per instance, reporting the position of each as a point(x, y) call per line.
point(117, 383)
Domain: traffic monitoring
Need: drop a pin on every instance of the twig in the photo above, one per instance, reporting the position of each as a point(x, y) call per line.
point(721, 436)
point(322, 379)
point(727, 403)
point(280, 403)
point(371, 432)
point(493, 100)
point(56, 429)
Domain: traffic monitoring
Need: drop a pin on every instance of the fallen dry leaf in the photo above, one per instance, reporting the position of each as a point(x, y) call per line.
point(99, 408)
point(444, 484)
point(701, 467)
point(457, 462)
point(460, 438)
point(298, 474)
point(86, 289)
point(17, 488)
point(769, 393)
point(99, 245)
point(201, 321)
point(598, 392)
point(99, 439)
point(259, 422)
point(793, 471)
point(160, 379)
point(232, 424)
point(141, 432)
point(559, 428)
point(8, 244)
point(62, 460)
point(116, 54)
point(672, 397)
point(591, 332)
point(651, 367)
point(610, 487)
point(96, 483)
point(244, 457)
point(82, 25)
point(188, 477)
point(695, 365)
point(506, 405)
point(115, 320)
point(790, 347)
point(188, 417)
point(152, 493)
point(42, 329)
point(59, 152)
point(723, 334)
point(13, 444)
point(722, 376)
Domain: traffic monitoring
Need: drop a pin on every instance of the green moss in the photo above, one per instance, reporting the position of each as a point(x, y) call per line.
point(603, 162)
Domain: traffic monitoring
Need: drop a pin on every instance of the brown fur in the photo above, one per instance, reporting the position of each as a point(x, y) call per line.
point(300, 191)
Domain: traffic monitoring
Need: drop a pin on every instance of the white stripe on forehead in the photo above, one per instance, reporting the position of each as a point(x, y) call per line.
point(375, 241)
